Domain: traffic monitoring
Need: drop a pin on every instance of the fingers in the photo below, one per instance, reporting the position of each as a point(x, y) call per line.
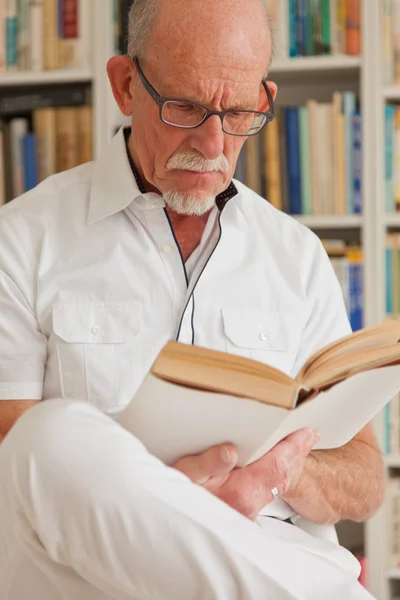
point(282, 466)
point(215, 462)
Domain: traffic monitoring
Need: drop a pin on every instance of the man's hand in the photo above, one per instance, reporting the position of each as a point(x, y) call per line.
point(248, 489)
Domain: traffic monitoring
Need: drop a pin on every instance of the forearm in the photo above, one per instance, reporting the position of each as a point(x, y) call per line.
point(344, 483)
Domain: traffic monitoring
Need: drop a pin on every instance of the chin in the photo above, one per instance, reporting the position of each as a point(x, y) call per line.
point(188, 204)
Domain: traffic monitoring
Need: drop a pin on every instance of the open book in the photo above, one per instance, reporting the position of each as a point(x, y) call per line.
point(194, 398)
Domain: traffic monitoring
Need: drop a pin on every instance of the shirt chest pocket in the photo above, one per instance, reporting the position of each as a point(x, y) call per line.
point(99, 352)
point(267, 336)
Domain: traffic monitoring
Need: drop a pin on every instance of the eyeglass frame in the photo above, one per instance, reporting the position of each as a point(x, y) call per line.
point(162, 100)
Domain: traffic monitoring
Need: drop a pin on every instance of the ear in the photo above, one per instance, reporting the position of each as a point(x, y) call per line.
point(121, 71)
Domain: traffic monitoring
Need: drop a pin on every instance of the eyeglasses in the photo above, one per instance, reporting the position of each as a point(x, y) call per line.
point(189, 115)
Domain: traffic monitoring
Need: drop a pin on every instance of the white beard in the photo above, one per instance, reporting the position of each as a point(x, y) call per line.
point(187, 204)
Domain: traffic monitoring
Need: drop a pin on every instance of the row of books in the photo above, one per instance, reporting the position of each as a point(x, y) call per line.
point(348, 264)
point(391, 41)
point(38, 35)
point(52, 140)
point(392, 158)
point(313, 27)
point(309, 159)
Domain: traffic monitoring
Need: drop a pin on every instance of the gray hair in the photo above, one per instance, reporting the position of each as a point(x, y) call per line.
point(141, 17)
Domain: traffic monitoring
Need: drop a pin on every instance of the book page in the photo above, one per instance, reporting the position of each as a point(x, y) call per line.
point(211, 370)
point(384, 334)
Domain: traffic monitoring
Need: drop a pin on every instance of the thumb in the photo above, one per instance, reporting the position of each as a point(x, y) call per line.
point(215, 461)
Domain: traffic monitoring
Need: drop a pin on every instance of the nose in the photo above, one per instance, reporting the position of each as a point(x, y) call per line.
point(208, 139)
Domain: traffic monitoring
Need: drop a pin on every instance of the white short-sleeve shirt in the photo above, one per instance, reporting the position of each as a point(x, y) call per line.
point(92, 285)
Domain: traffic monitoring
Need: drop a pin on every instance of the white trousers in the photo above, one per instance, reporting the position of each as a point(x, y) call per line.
point(86, 513)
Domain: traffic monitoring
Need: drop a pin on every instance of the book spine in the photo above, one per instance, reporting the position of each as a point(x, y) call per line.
point(283, 160)
point(349, 106)
point(312, 106)
point(292, 28)
point(44, 127)
point(353, 30)
point(29, 161)
point(334, 24)
point(397, 158)
point(18, 129)
point(23, 41)
point(283, 28)
point(341, 25)
point(389, 158)
point(304, 136)
point(3, 37)
point(67, 139)
point(11, 35)
point(355, 263)
point(271, 164)
point(357, 162)
point(51, 39)
point(325, 26)
point(388, 273)
point(301, 22)
point(310, 41)
point(293, 159)
point(36, 35)
point(396, 41)
point(317, 18)
point(85, 134)
point(70, 34)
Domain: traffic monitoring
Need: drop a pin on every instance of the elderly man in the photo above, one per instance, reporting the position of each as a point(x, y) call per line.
point(99, 267)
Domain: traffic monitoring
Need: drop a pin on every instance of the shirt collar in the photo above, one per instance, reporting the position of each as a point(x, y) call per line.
point(116, 181)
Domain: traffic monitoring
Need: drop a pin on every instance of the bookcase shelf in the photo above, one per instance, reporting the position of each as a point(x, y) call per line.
point(392, 460)
point(393, 573)
point(17, 78)
point(392, 220)
point(391, 92)
point(316, 63)
point(330, 221)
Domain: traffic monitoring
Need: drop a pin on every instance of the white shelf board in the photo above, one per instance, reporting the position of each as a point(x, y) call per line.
point(391, 92)
point(44, 77)
point(393, 573)
point(392, 460)
point(316, 63)
point(330, 221)
point(392, 220)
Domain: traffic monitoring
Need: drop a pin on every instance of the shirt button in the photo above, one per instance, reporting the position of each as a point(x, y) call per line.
point(167, 249)
point(96, 329)
point(263, 336)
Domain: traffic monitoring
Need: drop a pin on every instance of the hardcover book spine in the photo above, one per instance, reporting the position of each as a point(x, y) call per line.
point(293, 159)
point(3, 37)
point(292, 28)
point(349, 106)
point(310, 41)
point(341, 25)
point(36, 35)
point(11, 35)
point(51, 39)
point(29, 161)
point(23, 40)
point(325, 26)
point(18, 129)
point(305, 167)
point(271, 164)
point(396, 41)
point(390, 204)
point(357, 162)
point(70, 35)
point(356, 289)
point(301, 21)
point(353, 30)
point(44, 126)
point(387, 42)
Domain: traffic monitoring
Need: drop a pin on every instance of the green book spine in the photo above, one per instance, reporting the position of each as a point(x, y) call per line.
point(310, 40)
point(326, 26)
point(305, 173)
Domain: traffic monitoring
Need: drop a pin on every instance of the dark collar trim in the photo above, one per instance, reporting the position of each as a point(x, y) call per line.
point(221, 200)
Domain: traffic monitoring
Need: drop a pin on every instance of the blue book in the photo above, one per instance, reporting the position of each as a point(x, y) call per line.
point(30, 161)
point(292, 28)
point(293, 159)
point(389, 158)
point(349, 108)
point(357, 163)
point(301, 20)
point(355, 270)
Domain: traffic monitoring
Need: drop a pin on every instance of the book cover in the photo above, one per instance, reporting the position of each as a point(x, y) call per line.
point(293, 159)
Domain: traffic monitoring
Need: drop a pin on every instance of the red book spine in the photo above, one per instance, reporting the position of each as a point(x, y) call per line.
point(70, 19)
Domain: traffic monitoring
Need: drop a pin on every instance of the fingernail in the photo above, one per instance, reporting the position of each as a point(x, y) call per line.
point(226, 455)
point(313, 436)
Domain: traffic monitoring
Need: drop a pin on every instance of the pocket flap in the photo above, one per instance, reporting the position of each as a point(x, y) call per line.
point(97, 323)
point(258, 329)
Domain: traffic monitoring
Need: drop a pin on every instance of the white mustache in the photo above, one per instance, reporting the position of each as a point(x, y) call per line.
point(194, 162)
